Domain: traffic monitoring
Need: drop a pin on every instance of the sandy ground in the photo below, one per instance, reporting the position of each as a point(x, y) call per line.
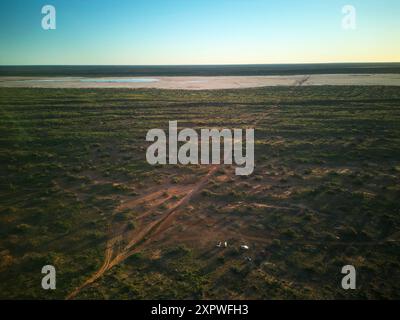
point(203, 83)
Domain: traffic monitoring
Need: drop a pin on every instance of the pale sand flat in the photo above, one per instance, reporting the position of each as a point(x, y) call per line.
point(204, 83)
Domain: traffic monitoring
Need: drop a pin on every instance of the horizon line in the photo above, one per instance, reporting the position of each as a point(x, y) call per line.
point(193, 65)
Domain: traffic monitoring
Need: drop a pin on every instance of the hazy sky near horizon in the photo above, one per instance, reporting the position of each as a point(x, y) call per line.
point(156, 32)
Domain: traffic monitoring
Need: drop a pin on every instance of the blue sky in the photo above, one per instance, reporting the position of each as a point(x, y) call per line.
point(143, 32)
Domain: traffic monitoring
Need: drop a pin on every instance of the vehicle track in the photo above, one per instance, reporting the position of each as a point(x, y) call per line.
point(154, 228)
point(105, 266)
